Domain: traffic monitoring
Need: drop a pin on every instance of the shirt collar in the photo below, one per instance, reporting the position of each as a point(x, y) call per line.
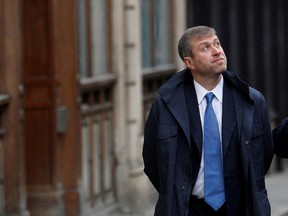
point(201, 91)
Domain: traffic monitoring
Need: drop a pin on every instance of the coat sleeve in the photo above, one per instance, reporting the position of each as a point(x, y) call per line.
point(268, 148)
point(280, 139)
point(268, 143)
point(149, 152)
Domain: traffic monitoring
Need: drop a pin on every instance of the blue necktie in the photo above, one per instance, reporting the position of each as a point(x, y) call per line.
point(213, 169)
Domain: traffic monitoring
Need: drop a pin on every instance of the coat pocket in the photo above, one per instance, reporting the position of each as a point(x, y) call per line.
point(257, 130)
point(257, 141)
point(165, 131)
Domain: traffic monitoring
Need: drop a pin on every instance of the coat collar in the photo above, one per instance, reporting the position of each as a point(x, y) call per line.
point(236, 82)
point(172, 92)
point(171, 87)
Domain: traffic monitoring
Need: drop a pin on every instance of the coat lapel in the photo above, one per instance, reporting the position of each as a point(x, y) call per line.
point(228, 116)
point(180, 97)
point(177, 106)
point(194, 116)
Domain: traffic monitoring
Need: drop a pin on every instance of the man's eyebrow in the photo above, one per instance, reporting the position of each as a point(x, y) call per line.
point(203, 43)
point(208, 42)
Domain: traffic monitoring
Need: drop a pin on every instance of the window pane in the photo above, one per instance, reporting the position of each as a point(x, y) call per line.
point(82, 39)
point(99, 35)
point(146, 33)
point(162, 35)
point(155, 30)
point(93, 37)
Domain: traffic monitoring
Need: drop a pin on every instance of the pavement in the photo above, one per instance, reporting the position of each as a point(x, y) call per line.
point(276, 184)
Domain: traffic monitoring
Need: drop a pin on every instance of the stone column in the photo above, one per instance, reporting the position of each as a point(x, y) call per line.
point(132, 184)
point(120, 136)
point(180, 23)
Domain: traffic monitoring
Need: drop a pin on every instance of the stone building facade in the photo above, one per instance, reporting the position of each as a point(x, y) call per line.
point(77, 80)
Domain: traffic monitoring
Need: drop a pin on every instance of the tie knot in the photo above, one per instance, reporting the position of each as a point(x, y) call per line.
point(209, 97)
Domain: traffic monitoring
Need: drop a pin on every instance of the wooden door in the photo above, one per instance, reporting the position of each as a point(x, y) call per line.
point(39, 108)
point(50, 83)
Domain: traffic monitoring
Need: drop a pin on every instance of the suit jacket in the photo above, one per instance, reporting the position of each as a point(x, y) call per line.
point(173, 145)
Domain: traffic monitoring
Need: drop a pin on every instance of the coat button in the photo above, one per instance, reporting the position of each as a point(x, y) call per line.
point(246, 142)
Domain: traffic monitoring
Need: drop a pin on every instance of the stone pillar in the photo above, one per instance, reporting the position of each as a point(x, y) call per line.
point(138, 183)
point(132, 184)
point(122, 170)
point(180, 23)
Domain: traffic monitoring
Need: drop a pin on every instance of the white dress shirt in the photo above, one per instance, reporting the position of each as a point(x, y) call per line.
point(198, 189)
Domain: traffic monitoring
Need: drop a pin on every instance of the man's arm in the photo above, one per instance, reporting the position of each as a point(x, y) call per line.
point(150, 149)
point(268, 143)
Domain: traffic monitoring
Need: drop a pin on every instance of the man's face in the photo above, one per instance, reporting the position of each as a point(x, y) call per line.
point(208, 56)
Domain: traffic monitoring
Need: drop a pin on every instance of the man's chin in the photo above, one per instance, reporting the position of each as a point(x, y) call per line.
point(222, 69)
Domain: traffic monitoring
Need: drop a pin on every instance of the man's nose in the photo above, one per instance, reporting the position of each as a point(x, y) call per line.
point(216, 50)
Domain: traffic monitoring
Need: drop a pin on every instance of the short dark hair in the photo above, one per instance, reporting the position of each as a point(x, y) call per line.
point(184, 45)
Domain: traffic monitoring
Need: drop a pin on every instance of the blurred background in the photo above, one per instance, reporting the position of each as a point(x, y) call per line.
point(77, 78)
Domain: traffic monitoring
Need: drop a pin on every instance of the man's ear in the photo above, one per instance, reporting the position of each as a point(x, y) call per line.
point(189, 62)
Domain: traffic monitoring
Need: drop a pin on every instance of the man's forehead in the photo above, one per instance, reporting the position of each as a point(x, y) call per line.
point(205, 37)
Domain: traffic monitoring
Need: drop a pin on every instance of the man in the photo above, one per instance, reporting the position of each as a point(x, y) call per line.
point(280, 139)
point(207, 140)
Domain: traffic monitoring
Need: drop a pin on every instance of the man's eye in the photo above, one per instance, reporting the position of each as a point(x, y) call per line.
point(205, 48)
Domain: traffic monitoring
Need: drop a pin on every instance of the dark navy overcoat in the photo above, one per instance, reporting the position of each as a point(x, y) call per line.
point(172, 139)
